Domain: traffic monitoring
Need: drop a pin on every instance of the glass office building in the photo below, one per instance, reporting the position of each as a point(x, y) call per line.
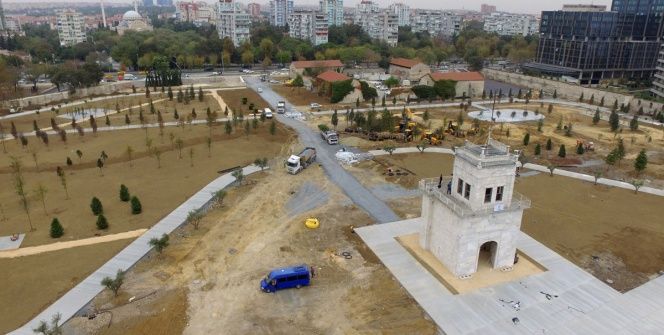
point(595, 45)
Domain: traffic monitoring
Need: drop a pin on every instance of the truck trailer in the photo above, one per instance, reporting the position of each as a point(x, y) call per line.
point(296, 163)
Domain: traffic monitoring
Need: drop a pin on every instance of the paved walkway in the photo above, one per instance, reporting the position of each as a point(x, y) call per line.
point(38, 249)
point(536, 167)
point(359, 194)
point(70, 303)
point(580, 303)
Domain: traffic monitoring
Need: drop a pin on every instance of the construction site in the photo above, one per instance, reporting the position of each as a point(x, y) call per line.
point(338, 194)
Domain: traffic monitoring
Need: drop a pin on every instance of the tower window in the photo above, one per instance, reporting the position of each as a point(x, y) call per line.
point(466, 193)
point(487, 194)
point(499, 193)
point(460, 186)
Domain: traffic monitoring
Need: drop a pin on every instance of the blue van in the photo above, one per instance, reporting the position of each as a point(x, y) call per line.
point(288, 277)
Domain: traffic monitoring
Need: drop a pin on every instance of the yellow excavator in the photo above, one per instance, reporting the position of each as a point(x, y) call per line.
point(431, 138)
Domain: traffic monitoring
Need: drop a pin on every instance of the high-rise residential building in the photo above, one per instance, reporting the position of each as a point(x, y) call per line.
point(196, 12)
point(334, 10)
point(308, 25)
point(71, 27)
point(164, 2)
point(232, 21)
point(148, 3)
point(3, 24)
point(508, 24)
point(403, 13)
point(379, 24)
point(596, 46)
point(254, 9)
point(280, 10)
point(487, 9)
point(436, 22)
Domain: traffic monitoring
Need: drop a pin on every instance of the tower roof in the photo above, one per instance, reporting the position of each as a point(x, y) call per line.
point(493, 153)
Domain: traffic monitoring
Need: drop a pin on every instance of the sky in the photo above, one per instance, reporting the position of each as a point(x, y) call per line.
point(516, 6)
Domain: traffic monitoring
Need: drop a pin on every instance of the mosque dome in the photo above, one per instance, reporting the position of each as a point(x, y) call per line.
point(131, 15)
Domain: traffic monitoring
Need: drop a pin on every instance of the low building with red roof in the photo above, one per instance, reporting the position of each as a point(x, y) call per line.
point(468, 84)
point(314, 67)
point(324, 81)
point(408, 69)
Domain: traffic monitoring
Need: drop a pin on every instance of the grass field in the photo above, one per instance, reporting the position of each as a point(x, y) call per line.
point(574, 218)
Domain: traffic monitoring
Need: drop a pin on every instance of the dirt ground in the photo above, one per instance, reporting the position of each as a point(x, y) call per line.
point(234, 100)
point(159, 193)
point(577, 219)
point(221, 265)
point(49, 275)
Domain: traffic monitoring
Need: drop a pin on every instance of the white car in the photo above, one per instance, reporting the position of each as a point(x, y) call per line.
point(272, 81)
point(314, 105)
point(260, 90)
point(268, 113)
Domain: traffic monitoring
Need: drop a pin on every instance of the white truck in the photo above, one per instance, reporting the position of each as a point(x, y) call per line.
point(330, 136)
point(297, 163)
point(281, 107)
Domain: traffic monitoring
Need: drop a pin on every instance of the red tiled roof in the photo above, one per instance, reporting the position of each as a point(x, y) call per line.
point(457, 76)
point(332, 76)
point(305, 64)
point(404, 62)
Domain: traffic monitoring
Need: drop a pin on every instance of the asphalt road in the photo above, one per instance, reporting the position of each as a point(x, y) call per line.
point(359, 194)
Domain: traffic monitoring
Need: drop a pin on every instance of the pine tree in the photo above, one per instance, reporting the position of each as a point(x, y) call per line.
point(596, 117)
point(124, 193)
point(549, 144)
point(273, 128)
point(102, 223)
point(96, 206)
point(200, 94)
point(561, 151)
point(634, 123)
point(641, 161)
point(56, 228)
point(170, 94)
point(550, 108)
point(526, 139)
point(136, 207)
point(538, 149)
point(579, 149)
point(614, 121)
point(335, 119)
point(228, 128)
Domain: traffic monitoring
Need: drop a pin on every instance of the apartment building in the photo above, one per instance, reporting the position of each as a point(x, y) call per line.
point(508, 24)
point(334, 10)
point(233, 22)
point(308, 25)
point(280, 10)
point(436, 22)
point(71, 27)
point(402, 11)
point(379, 24)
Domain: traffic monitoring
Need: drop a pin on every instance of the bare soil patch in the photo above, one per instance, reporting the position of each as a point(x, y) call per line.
point(574, 218)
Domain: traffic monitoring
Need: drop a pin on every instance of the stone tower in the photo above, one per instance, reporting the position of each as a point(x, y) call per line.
point(478, 215)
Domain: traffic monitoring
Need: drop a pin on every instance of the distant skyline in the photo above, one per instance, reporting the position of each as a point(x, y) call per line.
point(515, 6)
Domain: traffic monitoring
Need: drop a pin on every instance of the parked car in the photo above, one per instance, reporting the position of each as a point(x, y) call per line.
point(268, 113)
point(273, 81)
point(315, 105)
point(260, 90)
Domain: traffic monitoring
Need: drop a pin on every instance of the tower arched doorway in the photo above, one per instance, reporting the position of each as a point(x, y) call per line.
point(487, 255)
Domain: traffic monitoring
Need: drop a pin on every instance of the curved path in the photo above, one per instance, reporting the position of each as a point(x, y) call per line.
point(79, 296)
point(536, 167)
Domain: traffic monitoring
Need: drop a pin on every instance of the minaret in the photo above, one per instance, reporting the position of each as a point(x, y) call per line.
point(136, 6)
point(103, 14)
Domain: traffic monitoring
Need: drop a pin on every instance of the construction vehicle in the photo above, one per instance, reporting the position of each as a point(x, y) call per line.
point(431, 138)
point(281, 107)
point(297, 163)
point(587, 145)
point(330, 136)
point(454, 129)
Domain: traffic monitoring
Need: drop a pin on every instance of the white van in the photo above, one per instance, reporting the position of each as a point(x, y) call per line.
point(268, 113)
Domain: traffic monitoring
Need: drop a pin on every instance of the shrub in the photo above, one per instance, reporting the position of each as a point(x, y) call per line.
point(340, 89)
point(368, 92)
point(159, 244)
point(102, 223)
point(424, 92)
point(96, 206)
point(124, 193)
point(323, 127)
point(136, 207)
point(56, 228)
